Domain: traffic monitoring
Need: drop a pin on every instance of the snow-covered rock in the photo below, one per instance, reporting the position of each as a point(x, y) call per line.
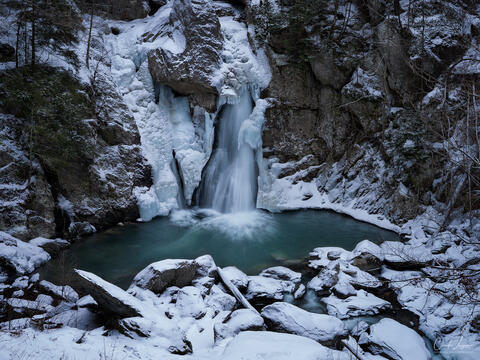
point(264, 289)
point(110, 298)
point(252, 345)
point(52, 246)
point(405, 256)
point(363, 303)
point(87, 302)
point(20, 256)
point(389, 337)
point(237, 321)
point(189, 303)
point(161, 274)
point(60, 292)
point(236, 277)
point(219, 300)
point(285, 317)
point(323, 256)
point(282, 273)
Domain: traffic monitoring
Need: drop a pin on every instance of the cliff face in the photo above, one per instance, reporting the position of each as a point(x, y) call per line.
point(362, 87)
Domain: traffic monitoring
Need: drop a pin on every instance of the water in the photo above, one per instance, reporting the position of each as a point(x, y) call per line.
point(252, 241)
point(229, 181)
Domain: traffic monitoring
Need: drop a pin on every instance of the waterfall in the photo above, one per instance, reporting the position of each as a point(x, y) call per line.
point(229, 182)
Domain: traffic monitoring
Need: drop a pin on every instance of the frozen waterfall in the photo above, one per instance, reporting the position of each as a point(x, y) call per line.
point(229, 183)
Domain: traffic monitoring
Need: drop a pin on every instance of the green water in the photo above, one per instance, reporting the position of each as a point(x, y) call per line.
point(251, 241)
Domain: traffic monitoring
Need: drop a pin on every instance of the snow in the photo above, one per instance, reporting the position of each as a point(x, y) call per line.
point(260, 287)
point(265, 345)
point(236, 276)
point(282, 273)
point(396, 340)
point(22, 256)
point(239, 320)
point(291, 319)
point(363, 303)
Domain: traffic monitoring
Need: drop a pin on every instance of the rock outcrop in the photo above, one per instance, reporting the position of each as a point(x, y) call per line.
point(190, 67)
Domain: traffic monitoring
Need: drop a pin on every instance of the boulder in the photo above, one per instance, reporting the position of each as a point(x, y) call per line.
point(236, 277)
point(190, 71)
point(362, 303)
point(162, 274)
point(189, 303)
point(269, 345)
point(52, 246)
point(396, 341)
point(237, 321)
point(219, 300)
point(262, 289)
point(402, 256)
point(282, 273)
point(60, 292)
point(289, 318)
point(110, 298)
point(19, 256)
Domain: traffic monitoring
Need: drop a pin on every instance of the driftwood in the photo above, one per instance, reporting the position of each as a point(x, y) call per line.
point(233, 289)
point(349, 348)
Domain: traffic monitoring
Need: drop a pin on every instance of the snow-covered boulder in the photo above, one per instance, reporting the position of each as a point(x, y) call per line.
point(405, 256)
point(323, 256)
point(162, 274)
point(189, 303)
point(206, 266)
point(251, 345)
point(368, 256)
point(264, 289)
point(219, 300)
point(236, 277)
point(282, 273)
point(363, 303)
point(52, 246)
point(163, 332)
point(87, 302)
point(60, 292)
point(324, 281)
point(237, 321)
point(285, 317)
point(20, 256)
point(110, 298)
point(390, 338)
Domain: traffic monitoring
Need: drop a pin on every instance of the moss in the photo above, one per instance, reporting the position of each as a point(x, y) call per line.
point(53, 105)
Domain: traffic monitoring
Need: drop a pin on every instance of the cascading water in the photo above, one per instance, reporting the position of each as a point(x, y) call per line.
point(229, 183)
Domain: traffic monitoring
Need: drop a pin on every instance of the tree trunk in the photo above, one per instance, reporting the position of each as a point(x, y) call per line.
point(33, 35)
point(89, 37)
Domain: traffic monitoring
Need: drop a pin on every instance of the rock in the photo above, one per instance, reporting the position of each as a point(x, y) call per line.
point(269, 345)
point(110, 298)
point(264, 289)
point(236, 277)
point(162, 274)
point(361, 304)
point(206, 266)
point(323, 256)
point(190, 70)
point(324, 281)
point(327, 72)
point(126, 10)
point(52, 246)
point(60, 292)
point(20, 282)
point(82, 318)
point(402, 256)
point(219, 300)
point(286, 317)
point(368, 247)
point(237, 321)
point(20, 256)
point(189, 303)
point(396, 341)
point(44, 299)
point(19, 308)
point(282, 273)
point(87, 302)
point(299, 292)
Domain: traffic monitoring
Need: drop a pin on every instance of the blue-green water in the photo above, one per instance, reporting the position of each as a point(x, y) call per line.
point(251, 241)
